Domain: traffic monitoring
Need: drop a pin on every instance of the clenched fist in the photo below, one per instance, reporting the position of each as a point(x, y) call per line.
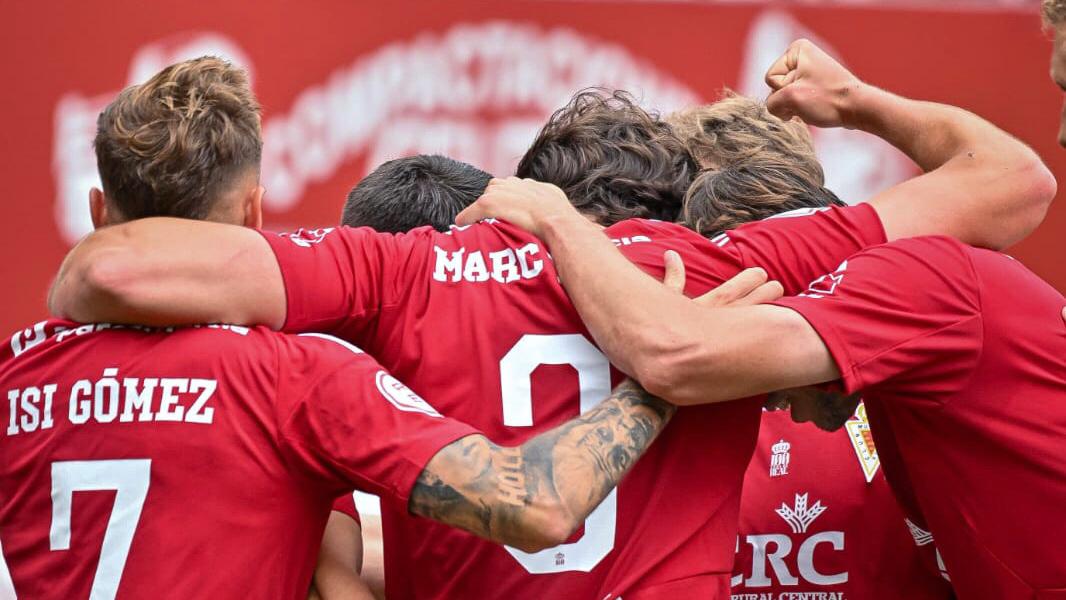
point(809, 84)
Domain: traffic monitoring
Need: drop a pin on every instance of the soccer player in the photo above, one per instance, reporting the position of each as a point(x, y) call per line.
point(957, 352)
point(487, 301)
point(414, 191)
point(202, 461)
point(857, 542)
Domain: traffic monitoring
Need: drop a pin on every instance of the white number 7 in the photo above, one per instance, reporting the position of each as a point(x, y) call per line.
point(129, 478)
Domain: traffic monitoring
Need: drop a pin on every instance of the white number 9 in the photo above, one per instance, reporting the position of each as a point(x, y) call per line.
point(594, 380)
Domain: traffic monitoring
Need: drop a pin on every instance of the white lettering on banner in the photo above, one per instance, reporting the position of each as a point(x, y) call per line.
point(113, 400)
point(429, 94)
point(503, 266)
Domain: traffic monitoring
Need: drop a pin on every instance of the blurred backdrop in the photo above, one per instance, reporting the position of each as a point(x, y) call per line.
point(346, 85)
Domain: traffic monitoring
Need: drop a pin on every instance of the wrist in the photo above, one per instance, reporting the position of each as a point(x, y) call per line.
point(856, 102)
point(557, 226)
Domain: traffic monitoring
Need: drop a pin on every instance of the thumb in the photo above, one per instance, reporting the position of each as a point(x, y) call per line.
point(675, 271)
point(782, 103)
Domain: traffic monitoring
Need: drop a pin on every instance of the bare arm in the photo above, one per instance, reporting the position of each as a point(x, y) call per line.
point(676, 348)
point(536, 495)
point(165, 271)
point(981, 185)
point(337, 574)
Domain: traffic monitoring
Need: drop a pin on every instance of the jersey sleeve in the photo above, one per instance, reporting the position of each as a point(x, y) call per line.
point(643, 243)
point(343, 419)
point(905, 316)
point(345, 505)
point(795, 246)
point(337, 278)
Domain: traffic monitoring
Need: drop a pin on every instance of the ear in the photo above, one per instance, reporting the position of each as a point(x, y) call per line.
point(253, 208)
point(98, 208)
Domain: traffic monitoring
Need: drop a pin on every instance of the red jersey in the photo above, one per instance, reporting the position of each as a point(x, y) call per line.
point(196, 463)
point(817, 516)
point(959, 354)
point(346, 506)
point(477, 317)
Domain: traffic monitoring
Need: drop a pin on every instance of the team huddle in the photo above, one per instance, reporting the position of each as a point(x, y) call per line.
point(661, 361)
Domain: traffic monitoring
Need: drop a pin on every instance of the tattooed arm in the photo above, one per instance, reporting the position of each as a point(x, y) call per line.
point(534, 496)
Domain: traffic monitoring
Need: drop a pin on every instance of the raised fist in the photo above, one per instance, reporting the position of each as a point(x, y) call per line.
point(809, 84)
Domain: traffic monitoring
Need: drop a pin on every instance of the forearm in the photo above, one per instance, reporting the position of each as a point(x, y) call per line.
point(635, 320)
point(981, 186)
point(170, 272)
point(930, 134)
point(679, 350)
point(536, 495)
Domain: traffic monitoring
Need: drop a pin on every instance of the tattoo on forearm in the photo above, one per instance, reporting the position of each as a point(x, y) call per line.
point(504, 493)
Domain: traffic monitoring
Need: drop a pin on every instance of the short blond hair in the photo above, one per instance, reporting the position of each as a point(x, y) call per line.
point(172, 145)
point(753, 164)
point(735, 129)
point(1053, 11)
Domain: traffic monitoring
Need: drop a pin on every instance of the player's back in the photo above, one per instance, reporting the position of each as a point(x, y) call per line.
point(477, 320)
point(141, 464)
point(998, 435)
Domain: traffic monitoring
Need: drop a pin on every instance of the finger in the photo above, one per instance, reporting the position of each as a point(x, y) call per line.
point(471, 214)
point(783, 71)
point(775, 75)
point(675, 271)
point(767, 292)
point(739, 286)
point(1064, 314)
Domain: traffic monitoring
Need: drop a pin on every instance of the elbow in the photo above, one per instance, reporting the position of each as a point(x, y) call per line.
point(553, 526)
point(98, 277)
point(1041, 188)
point(1034, 189)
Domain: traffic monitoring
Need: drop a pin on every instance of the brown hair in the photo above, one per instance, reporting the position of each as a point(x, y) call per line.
point(172, 145)
point(613, 159)
point(737, 128)
point(719, 200)
point(1053, 11)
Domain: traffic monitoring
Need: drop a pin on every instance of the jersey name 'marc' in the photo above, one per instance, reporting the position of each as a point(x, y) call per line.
point(502, 266)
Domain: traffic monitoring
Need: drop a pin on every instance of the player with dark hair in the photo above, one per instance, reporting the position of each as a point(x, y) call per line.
point(613, 158)
point(185, 448)
point(414, 191)
point(957, 351)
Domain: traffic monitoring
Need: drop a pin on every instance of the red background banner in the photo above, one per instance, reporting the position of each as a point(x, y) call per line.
point(346, 85)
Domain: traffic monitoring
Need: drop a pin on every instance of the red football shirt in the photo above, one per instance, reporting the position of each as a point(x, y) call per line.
point(477, 318)
point(817, 516)
point(346, 506)
point(959, 354)
point(199, 463)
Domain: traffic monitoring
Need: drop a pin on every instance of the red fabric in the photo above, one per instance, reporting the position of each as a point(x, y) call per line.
point(960, 351)
point(346, 505)
point(859, 546)
point(285, 425)
point(462, 334)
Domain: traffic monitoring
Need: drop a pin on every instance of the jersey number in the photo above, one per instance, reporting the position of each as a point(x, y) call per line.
point(129, 478)
point(594, 380)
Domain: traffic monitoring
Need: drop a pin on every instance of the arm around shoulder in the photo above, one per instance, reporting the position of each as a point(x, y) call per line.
point(165, 271)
